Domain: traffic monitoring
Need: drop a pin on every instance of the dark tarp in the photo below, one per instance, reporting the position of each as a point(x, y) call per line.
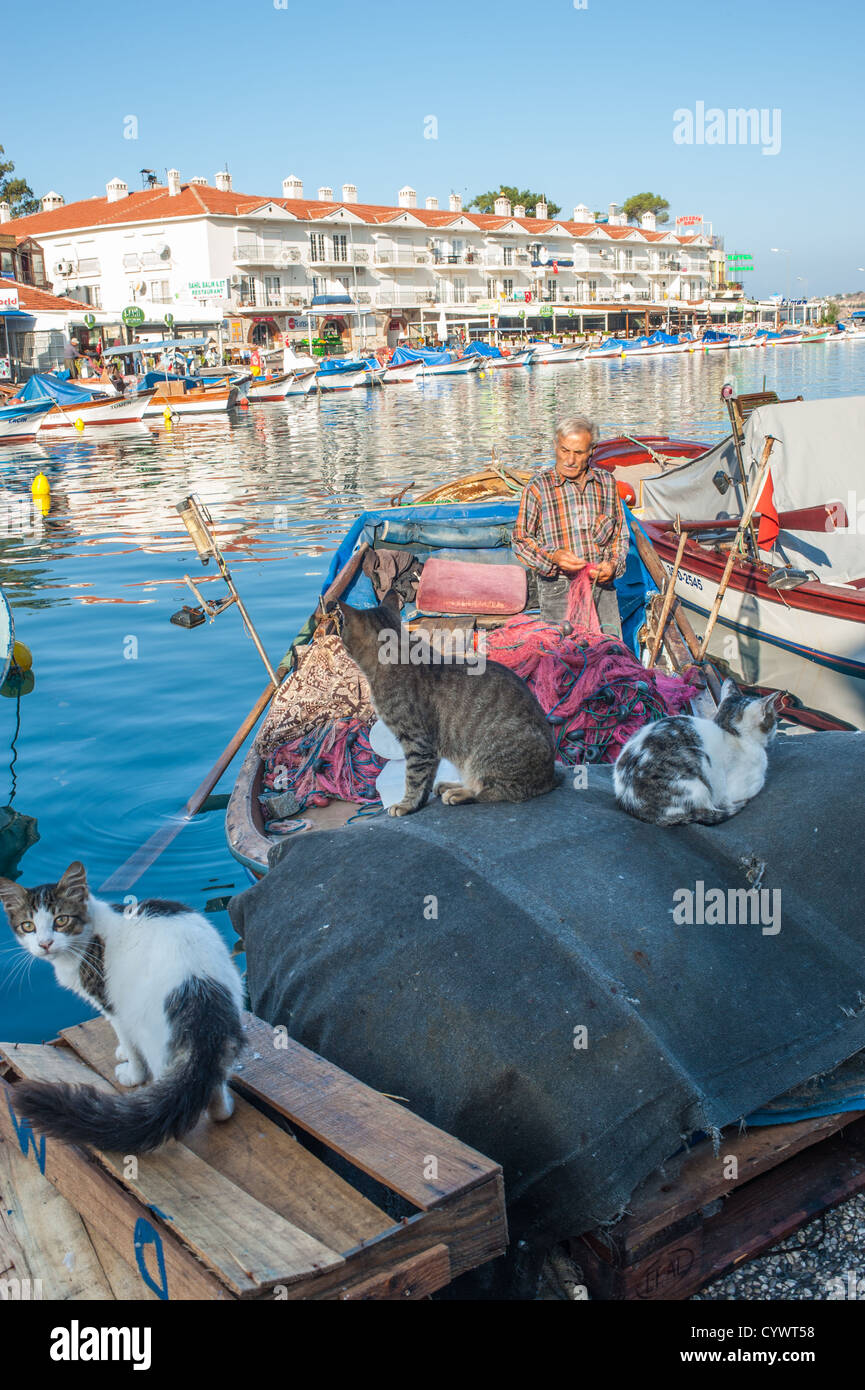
point(555, 914)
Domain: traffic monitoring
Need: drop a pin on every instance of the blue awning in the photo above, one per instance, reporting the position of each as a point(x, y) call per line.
point(42, 387)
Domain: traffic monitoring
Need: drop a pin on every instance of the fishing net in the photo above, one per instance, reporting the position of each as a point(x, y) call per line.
point(332, 760)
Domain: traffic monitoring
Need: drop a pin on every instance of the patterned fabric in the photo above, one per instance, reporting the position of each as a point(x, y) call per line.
point(558, 514)
point(325, 686)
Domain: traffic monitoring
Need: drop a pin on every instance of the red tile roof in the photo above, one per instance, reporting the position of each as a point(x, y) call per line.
point(194, 200)
point(29, 297)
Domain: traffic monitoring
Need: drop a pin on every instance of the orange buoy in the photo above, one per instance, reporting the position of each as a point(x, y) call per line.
point(243, 403)
point(626, 492)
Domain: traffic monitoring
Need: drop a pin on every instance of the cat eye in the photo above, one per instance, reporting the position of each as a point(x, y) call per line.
point(62, 922)
point(26, 926)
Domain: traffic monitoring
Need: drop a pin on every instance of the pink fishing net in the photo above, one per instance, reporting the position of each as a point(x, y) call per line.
point(332, 760)
point(593, 690)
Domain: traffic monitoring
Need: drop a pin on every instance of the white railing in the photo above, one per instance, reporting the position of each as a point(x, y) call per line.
point(401, 257)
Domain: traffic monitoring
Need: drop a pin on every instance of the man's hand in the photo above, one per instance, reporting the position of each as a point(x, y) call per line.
point(567, 561)
point(603, 573)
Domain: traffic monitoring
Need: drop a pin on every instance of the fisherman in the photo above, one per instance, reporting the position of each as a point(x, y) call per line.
point(570, 519)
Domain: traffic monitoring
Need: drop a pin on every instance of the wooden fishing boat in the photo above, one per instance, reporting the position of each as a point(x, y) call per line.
point(460, 367)
point(99, 411)
point(7, 636)
point(22, 420)
point(192, 400)
point(792, 611)
point(341, 375)
point(401, 373)
point(526, 358)
point(554, 355)
point(279, 388)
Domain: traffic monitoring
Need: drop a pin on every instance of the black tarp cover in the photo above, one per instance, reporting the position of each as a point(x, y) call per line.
point(558, 914)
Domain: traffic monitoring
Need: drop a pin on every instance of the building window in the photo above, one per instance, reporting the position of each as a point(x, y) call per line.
point(7, 264)
point(247, 290)
point(319, 285)
point(272, 290)
point(96, 296)
point(316, 246)
point(552, 290)
point(508, 288)
point(340, 247)
point(345, 282)
point(159, 292)
point(459, 291)
point(491, 289)
point(627, 260)
point(507, 255)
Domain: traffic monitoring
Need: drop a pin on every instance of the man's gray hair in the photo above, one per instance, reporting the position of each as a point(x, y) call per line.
point(577, 424)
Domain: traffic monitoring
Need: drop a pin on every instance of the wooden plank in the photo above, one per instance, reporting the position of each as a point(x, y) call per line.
point(472, 1225)
point(109, 1209)
point(696, 1177)
point(415, 1278)
point(392, 1144)
point(261, 1158)
point(123, 1279)
point(243, 1241)
point(42, 1237)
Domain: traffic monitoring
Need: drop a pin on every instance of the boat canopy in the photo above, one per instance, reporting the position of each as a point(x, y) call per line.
point(714, 335)
point(152, 379)
point(480, 349)
point(344, 364)
point(430, 356)
point(659, 336)
point(42, 387)
point(620, 343)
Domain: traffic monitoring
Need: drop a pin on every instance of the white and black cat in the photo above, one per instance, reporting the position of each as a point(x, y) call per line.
point(683, 768)
point(163, 977)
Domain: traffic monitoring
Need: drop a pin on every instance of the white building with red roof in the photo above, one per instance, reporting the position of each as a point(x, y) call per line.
point(251, 265)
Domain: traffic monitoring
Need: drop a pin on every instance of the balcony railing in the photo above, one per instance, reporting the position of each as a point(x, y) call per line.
point(401, 257)
point(280, 253)
point(351, 255)
point(451, 258)
point(272, 299)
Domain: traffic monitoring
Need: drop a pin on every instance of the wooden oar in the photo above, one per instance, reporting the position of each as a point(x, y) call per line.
point(743, 525)
point(668, 600)
point(827, 516)
point(130, 872)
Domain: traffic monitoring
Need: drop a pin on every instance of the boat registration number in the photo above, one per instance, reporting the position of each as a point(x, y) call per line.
point(683, 577)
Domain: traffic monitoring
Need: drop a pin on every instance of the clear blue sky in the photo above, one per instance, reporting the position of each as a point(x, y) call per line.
point(576, 102)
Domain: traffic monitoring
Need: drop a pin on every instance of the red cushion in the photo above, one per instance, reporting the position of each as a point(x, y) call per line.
point(460, 586)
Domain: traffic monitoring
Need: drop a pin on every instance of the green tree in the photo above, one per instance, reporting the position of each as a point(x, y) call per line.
point(16, 192)
point(646, 202)
point(485, 202)
point(830, 313)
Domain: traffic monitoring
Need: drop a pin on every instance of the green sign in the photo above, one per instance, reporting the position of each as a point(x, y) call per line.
point(168, 320)
point(545, 311)
point(132, 315)
point(90, 320)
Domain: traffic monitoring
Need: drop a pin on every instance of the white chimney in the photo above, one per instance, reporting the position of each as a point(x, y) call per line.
point(349, 193)
point(502, 206)
point(292, 187)
point(173, 177)
point(5, 212)
point(647, 221)
point(541, 209)
point(222, 181)
point(51, 201)
point(325, 195)
point(582, 213)
point(455, 202)
point(199, 180)
point(432, 204)
point(115, 190)
point(407, 197)
point(519, 210)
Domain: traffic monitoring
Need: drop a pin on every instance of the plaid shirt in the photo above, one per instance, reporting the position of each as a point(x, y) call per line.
point(557, 514)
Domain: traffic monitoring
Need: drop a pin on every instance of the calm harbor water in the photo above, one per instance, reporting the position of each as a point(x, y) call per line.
point(128, 712)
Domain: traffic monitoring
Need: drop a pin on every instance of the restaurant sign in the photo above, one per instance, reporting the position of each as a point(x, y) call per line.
point(133, 314)
point(208, 289)
point(8, 296)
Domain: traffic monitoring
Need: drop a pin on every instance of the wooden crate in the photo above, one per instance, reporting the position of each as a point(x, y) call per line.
point(241, 1210)
point(692, 1222)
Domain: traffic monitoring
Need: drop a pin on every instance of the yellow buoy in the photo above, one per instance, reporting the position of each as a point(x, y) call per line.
point(79, 424)
point(21, 657)
point(40, 486)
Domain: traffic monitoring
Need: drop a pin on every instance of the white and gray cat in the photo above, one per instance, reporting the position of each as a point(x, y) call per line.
point(163, 977)
point(684, 768)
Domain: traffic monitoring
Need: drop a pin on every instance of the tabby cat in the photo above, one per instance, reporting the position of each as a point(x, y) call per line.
point(162, 975)
point(481, 717)
point(683, 768)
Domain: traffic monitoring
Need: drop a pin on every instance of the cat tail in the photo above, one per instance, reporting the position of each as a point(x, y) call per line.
point(205, 1038)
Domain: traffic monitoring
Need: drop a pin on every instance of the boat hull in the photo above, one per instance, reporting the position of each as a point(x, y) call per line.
point(22, 422)
point(519, 359)
point(810, 640)
point(401, 374)
point(113, 410)
point(292, 384)
point(340, 381)
point(458, 368)
point(203, 402)
point(7, 636)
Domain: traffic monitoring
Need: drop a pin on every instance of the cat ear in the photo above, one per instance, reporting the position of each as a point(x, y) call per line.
point(12, 895)
point(728, 688)
point(74, 881)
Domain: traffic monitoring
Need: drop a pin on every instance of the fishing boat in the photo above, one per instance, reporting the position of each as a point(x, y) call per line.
point(341, 374)
point(401, 373)
point(74, 409)
point(184, 395)
point(22, 420)
point(792, 610)
point(555, 355)
point(437, 363)
point(7, 636)
point(491, 356)
point(279, 388)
